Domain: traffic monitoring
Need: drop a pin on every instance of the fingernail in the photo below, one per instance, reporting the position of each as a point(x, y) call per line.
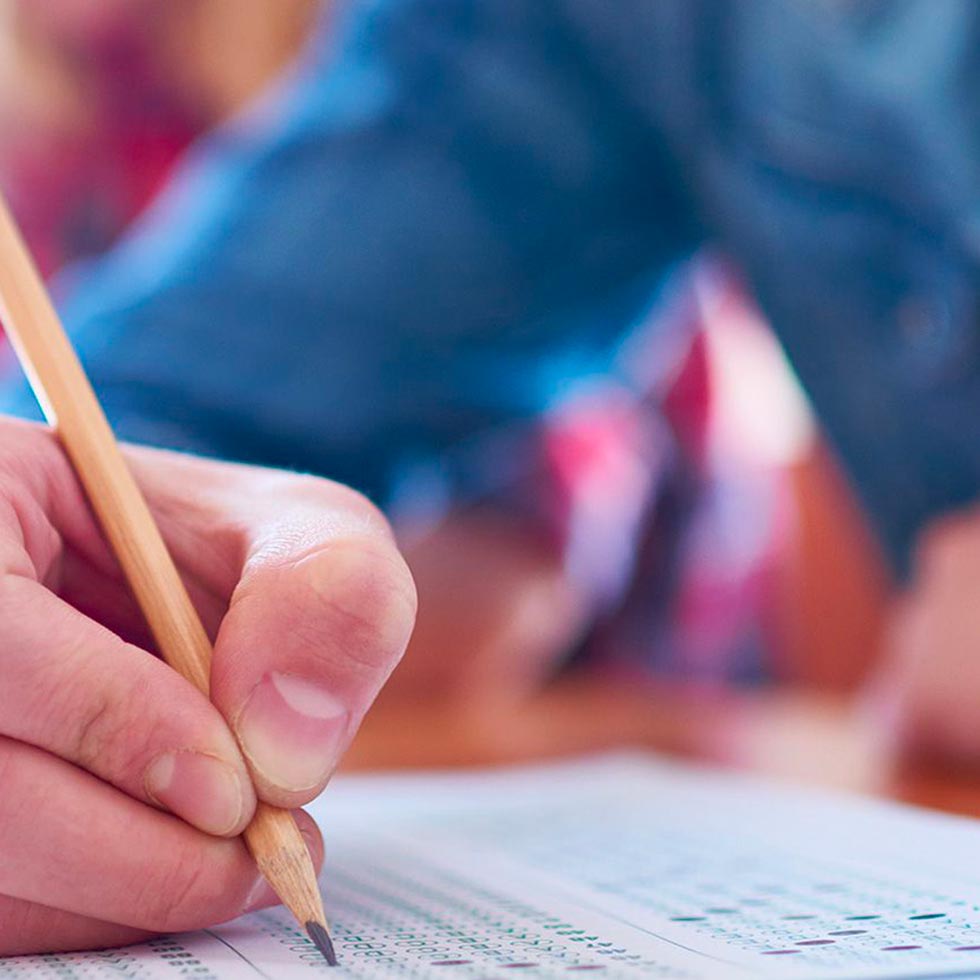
point(199, 788)
point(292, 731)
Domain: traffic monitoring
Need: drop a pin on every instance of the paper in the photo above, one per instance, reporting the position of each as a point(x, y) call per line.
point(623, 866)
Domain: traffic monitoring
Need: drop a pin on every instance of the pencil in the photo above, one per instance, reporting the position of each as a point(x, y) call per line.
point(73, 411)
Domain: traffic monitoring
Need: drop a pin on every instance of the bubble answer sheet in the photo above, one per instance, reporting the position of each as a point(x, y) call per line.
point(622, 866)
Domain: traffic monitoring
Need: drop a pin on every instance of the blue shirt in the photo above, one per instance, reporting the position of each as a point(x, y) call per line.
point(460, 209)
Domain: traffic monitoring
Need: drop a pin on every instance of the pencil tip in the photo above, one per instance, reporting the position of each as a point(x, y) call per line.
point(322, 941)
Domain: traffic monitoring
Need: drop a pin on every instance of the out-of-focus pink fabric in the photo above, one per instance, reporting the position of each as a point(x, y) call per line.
point(74, 193)
point(679, 546)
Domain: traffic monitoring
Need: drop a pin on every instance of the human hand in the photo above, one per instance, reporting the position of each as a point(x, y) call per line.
point(103, 747)
point(926, 696)
point(485, 681)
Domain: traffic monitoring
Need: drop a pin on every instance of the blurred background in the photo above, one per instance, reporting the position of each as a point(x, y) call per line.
point(99, 101)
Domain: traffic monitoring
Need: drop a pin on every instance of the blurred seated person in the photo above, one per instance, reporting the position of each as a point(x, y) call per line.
point(130, 93)
point(99, 100)
point(424, 263)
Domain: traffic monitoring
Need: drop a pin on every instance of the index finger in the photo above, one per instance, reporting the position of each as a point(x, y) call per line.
point(320, 607)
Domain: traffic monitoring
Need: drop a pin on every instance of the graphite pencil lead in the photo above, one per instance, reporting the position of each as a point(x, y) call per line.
point(322, 941)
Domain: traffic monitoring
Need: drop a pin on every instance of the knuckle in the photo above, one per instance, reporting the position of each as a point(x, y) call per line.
point(94, 732)
point(97, 722)
point(166, 901)
point(112, 729)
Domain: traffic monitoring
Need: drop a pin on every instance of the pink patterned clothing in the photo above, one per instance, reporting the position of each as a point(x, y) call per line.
point(675, 546)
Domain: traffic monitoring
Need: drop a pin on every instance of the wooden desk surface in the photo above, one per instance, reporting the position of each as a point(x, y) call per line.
point(827, 742)
point(813, 740)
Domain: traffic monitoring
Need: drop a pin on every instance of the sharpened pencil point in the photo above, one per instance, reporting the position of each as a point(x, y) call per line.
point(322, 941)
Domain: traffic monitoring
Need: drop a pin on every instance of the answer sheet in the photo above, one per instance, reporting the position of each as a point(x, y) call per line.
point(624, 866)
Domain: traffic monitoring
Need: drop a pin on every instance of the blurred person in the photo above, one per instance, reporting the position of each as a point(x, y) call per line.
point(100, 99)
point(261, 141)
point(89, 129)
point(199, 61)
point(455, 220)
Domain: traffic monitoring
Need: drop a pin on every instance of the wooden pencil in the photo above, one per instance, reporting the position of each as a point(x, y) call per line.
point(72, 409)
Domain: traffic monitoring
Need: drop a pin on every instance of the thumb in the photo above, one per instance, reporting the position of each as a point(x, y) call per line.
point(314, 628)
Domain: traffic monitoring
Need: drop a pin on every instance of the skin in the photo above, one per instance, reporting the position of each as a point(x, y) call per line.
point(483, 681)
point(294, 577)
point(924, 696)
point(212, 56)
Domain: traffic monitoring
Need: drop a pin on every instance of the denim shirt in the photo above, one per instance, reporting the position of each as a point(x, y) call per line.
point(453, 211)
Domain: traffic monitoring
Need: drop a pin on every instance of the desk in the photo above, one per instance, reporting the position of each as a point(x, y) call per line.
point(826, 742)
point(815, 740)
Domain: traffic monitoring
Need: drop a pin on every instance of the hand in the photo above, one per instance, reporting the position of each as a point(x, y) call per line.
point(927, 694)
point(483, 682)
point(103, 747)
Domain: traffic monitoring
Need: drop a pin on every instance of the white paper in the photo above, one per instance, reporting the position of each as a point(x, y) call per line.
point(621, 866)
